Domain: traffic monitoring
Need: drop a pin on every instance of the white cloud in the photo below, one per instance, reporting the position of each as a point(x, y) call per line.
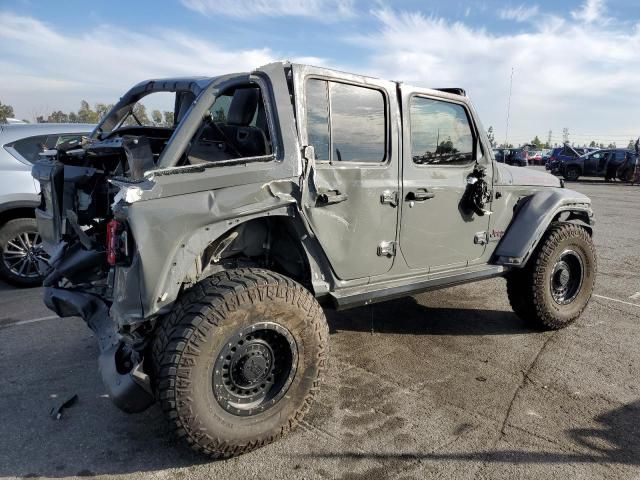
point(521, 13)
point(567, 74)
point(55, 70)
point(590, 12)
point(323, 10)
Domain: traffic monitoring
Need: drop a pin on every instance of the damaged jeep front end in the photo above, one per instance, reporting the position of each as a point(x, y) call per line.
point(87, 236)
point(141, 212)
point(85, 241)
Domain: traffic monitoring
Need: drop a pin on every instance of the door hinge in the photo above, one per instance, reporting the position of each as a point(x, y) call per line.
point(481, 238)
point(387, 249)
point(390, 197)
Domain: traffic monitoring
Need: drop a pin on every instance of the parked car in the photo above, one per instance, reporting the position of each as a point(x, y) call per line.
point(600, 163)
point(535, 157)
point(518, 157)
point(499, 154)
point(200, 253)
point(20, 146)
point(566, 152)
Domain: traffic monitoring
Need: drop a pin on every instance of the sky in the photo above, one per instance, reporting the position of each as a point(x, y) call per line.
point(576, 64)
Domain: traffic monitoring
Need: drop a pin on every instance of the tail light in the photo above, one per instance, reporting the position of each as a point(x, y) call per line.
point(117, 242)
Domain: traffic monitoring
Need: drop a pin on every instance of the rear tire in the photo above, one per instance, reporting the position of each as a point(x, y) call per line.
point(239, 360)
point(19, 249)
point(555, 287)
point(572, 174)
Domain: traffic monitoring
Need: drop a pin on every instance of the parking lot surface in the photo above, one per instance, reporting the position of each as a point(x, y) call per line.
point(448, 384)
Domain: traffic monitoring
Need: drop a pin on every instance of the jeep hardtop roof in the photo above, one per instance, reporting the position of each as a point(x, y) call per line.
point(198, 83)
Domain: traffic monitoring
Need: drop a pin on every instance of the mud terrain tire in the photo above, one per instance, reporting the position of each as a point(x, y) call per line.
point(226, 332)
point(554, 288)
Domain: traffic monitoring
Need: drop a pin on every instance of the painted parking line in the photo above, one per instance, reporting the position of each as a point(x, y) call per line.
point(27, 322)
point(617, 300)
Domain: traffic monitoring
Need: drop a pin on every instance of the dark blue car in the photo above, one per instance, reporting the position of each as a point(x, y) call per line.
point(600, 163)
point(563, 154)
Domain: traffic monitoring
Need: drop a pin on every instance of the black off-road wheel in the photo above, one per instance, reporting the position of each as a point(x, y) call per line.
point(239, 360)
point(554, 288)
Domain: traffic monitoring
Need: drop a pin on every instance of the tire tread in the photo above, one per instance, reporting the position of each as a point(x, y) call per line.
point(199, 310)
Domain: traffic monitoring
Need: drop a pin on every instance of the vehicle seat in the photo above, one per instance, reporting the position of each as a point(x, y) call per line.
point(249, 140)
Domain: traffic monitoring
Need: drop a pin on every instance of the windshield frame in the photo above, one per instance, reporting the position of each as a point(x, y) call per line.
point(121, 110)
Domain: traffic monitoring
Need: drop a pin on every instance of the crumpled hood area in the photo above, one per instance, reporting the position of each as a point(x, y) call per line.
point(509, 175)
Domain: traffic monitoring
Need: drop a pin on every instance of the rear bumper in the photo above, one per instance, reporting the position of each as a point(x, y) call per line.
point(128, 387)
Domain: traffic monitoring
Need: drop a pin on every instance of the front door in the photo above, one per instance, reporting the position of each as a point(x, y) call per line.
point(352, 127)
point(440, 150)
point(594, 163)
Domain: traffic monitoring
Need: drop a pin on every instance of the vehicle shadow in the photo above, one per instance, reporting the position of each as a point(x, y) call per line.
point(616, 440)
point(408, 316)
point(95, 438)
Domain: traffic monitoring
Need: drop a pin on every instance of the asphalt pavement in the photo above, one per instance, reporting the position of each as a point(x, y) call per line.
point(448, 384)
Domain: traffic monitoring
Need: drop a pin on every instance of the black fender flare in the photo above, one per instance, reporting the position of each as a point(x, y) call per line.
point(184, 267)
point(532, 218)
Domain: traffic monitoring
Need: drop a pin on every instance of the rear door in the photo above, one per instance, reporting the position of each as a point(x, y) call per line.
point(352, 124)
point(440, 150)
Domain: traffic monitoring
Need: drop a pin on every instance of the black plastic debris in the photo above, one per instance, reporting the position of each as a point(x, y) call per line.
point(56, 412)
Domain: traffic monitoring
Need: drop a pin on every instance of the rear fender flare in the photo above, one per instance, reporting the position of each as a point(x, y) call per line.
point(532, 218)
point(185, 266)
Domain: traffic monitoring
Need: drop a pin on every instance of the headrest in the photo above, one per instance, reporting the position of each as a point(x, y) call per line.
point(243, 106)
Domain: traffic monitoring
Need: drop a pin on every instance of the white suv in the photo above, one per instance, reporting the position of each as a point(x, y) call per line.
point(20, 146)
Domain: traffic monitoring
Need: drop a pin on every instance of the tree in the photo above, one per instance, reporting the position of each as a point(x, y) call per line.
point(168, 119)
point(219, 115)
point(138, 116)
point(102, 109)
point(86, 115)
point(58, 117)
point(536, 142)
point(492, 137)
point(593, 144)
point(632, 144)
point(6, 111)
point(156, 116)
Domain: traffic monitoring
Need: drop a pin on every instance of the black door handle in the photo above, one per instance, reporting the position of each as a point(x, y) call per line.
point(330, 198)
point(420, 195)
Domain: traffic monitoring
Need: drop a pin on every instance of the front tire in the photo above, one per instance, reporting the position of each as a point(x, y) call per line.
point(555, 287)
point(239, 360)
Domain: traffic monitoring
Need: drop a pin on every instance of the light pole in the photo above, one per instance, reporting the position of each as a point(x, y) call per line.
point(506, 137)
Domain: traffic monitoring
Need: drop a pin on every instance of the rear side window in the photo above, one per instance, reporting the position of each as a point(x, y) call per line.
point(440, 133)
point(30, 148)
point(346, 123)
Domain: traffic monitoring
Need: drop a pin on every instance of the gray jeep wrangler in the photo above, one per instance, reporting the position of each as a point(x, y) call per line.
point(200, 252)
